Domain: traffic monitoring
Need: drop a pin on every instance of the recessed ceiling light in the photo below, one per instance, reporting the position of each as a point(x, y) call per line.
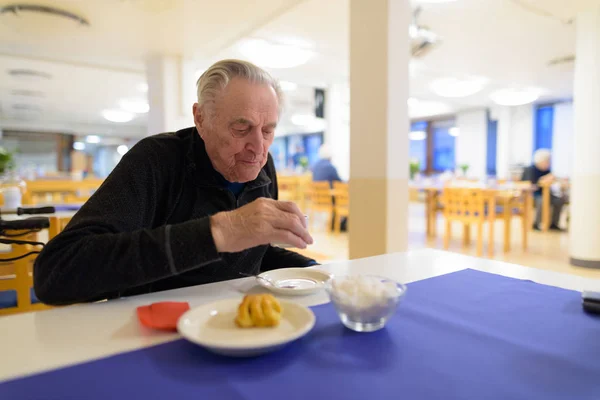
point(417, 135)
point(138, 106)
point(122, 149)
point(93, 139)
point(514, 97)
point(79, 146)
point(143, 87)
point(271, 55)
point(288, 86)
point(454, 131)
point(117, 115)
point(453, 87)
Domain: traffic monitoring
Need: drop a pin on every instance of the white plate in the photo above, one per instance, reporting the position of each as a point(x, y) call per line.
point(212, 326)
point(294, 281)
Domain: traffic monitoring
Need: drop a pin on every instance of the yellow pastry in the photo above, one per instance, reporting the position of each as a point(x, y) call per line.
point(258, 310)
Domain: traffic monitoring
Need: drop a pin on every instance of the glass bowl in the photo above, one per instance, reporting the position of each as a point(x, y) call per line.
point(361, 304)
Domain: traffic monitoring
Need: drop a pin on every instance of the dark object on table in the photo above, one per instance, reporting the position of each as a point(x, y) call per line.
point(591, 302)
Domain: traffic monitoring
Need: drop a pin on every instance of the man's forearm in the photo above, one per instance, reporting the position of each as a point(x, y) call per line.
point(84, 263)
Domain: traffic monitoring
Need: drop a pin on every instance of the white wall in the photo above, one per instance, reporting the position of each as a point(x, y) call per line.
point(337, 133)
point(471, 144)
point(563, 131)
point(515, 137)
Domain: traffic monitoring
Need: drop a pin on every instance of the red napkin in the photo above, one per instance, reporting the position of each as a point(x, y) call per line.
point(163, 315)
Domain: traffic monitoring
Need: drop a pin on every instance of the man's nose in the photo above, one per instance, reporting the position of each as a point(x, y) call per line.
point(255, 141)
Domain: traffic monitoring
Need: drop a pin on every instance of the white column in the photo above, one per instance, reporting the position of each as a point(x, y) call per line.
point(169, 83)
point(515, 138)
point(585, 192)
point(503, 141)
point(471, 143)
point(563, 129)
point(337, 134)
point(379, 56)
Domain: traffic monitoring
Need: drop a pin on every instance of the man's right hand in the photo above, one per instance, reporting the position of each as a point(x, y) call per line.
point(261, 222)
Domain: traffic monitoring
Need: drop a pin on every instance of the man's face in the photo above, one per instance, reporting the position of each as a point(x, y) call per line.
point(238, 128)
point(544, 165)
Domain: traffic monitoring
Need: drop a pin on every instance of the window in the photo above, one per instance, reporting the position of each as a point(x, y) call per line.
point(418, 144)
point(544, 118)
point(443, 148)
point(492, 139)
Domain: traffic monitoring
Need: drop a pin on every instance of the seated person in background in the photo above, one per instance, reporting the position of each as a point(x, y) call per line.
point(539, 173)
point(185, 208)
point(324, 170)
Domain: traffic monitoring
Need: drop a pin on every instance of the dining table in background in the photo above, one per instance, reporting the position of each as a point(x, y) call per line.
point(503, 194)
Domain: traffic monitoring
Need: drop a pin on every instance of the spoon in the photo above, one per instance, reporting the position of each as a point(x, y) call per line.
point(269, 282)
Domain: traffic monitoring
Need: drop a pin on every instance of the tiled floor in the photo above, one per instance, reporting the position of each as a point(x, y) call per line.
point(546, 250)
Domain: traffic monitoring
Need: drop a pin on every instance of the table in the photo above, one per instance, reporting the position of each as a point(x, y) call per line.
point(36, 342)
point(507, 192)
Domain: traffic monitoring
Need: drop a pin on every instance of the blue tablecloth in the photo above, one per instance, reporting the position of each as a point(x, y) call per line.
point(466, 335)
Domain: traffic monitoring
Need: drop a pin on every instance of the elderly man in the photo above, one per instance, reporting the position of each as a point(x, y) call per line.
point(185, 208)
point(538, 173)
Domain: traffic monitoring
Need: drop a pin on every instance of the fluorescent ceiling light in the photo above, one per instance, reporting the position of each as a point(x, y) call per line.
point(117, 115)
point(138, 106)
point(417, 135)
point(454, 131)
point(122, 149)
point(270, 55)
point(93, 139)
point(79, 146)
point(143, 87)
point(514, 97)
point(288, 86)
point(453, 87)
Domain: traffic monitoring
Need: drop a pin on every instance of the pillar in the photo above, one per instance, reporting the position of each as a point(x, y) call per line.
point(379, 56)
point(337, 133)
point(515, 138)
point(472, 141)
point(171, 87)
point(585, 190)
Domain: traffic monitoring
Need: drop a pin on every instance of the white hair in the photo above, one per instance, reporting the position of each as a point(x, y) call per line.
point(541, 156)
point(325, 152)
point(216, 78)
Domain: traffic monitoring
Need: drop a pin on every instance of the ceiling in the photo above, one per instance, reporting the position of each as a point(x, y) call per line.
point(507, 42)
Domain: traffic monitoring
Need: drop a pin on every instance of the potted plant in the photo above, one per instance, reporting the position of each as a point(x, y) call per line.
point(415, 167)
point(464, 168)
point(11, 186)
point(6, 160)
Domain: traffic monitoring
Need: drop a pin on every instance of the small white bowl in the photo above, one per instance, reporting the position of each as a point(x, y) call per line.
point(294, 281)
point(366, 318)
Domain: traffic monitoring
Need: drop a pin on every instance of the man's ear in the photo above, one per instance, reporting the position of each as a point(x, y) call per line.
point(198, 117)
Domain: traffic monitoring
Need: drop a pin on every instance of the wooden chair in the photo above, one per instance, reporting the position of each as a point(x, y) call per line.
point(59, 191)
point(287, 187)
point(516, 203)
point(469, 207)
point(20, 280)
point(342, 204)
point(320, 201)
